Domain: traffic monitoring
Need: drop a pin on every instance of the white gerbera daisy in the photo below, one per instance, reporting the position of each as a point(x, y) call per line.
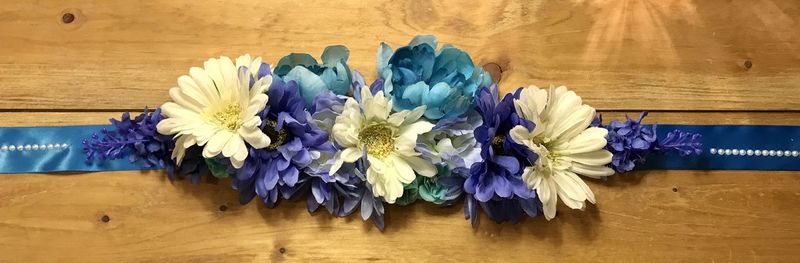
point(216, 107)
point(566, 146)
point(389, 140)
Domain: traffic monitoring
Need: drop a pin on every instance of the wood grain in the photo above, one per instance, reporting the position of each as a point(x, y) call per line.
point(685, 60)
point(690, 55)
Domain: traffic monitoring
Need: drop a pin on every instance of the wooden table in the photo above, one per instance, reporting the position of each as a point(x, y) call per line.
point(712, 62)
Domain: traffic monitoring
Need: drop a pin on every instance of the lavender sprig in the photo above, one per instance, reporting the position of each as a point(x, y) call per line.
point(631, 142)
point(137, 137)
point(685, 143)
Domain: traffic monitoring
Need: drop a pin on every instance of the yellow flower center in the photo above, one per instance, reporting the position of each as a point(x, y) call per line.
point(277, 138)
point(497, 144)
point(378, 138)
point(228, 117)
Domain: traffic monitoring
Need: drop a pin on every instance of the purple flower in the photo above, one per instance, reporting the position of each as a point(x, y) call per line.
point(684, 143)
point(137, 138)
point(295, 140)
point(495, 183)
point(630, 142)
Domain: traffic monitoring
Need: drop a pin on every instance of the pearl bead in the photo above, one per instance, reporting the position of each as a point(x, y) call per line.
point(771, 152)
point(749, 152)
point(35, 147)
point(713, 151)
point(64, 145)
point(57, 146)
point(4, 148)
point(795, 153)
point(758, 152)
point(735, 152)
point(20, 147)
point(50, 146)
point(787, 153)
point(28, 147)
point(727, 151)
point(12, 148)
point(779, 153)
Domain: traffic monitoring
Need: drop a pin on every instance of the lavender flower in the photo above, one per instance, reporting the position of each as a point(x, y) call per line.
point(631, 142)
point(137, 138)
point(684, 143)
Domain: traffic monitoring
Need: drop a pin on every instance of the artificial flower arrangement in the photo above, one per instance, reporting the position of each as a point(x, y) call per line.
point(432, 126)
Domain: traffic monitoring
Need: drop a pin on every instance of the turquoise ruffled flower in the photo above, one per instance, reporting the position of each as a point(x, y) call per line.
point(312, 77)
point(445, 81)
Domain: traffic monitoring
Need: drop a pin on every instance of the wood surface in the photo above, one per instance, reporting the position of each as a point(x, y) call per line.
point(687, 61)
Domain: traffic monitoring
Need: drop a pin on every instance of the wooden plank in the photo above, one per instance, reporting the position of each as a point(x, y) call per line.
point(758, 118)
point(619, 55)
point(658, 216)
point(661, 216)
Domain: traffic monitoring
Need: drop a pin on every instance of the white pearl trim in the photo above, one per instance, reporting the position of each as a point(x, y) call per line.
point(33, 147)
point(752, 152)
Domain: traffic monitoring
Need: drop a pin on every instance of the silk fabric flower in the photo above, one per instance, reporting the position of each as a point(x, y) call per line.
point(566, 146)
point(386, 140)
point(313, 77)
point(445, 81)
point(217, 107)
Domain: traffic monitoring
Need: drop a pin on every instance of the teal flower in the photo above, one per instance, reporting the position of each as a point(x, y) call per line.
point(312, 78)
point(444, 81)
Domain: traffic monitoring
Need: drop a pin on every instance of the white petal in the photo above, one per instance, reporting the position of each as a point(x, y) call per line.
point(254, 136)
point(567, 127)
point(169, 126)
point(601, 157)
point(215, 144)
point(521, 135)
point(593, 171)
point(404, 172)
point(180, 151)
point(411, 131)
point(256, 104)
point(174, 110)
point(376, 108)
point(244, 61)
point(204, 83)
point(238, 155)
point(547, 192)
point(531, 102)
point(190, 89)
point(351, 155)
point(570, 192)
point(591, 139)
point(233, 146)
point(421, 166)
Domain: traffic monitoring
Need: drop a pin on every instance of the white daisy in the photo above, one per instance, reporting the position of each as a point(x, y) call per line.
point(389, 140)
point(217, 108)
point(566, 146)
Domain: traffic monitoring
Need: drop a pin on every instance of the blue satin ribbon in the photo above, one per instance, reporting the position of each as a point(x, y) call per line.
point(740, 137)
point(54, 159)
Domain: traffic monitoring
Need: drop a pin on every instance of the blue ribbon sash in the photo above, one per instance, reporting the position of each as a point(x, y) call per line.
point(725, 147)
point(53, 149)
point(734, 147)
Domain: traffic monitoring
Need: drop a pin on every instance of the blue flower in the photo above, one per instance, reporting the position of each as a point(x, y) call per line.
point(495, 183)
point(295, 142)
point(340, 193)
point(631, 142)
point(312, 77)
point(136, 138)
point(445, 81)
